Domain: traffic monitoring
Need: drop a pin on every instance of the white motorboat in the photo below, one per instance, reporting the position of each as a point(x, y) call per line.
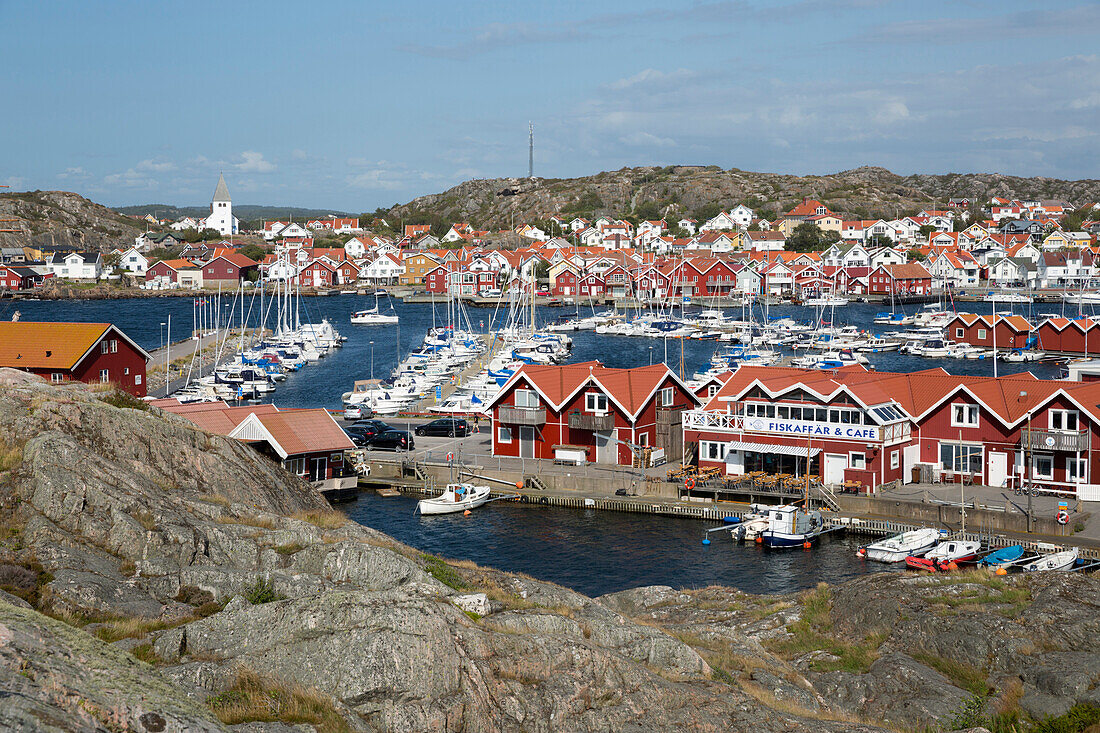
point(826, 300)
point(899, 547)
point(1063, 560)
point(753, 524)
point(1081, 297)
point(455, 498)
point(1006, 298)
point(945, 555)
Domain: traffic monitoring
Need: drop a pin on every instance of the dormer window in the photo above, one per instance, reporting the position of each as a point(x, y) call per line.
point(595, 402)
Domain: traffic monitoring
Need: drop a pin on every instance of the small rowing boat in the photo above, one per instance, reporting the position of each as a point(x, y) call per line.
point(945, 556)
point(1063, 560)
point(899, 547)
point(1003, 557)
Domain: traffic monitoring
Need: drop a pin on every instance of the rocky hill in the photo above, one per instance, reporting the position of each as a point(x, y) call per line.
point(63, 219)
point(700, 191)
point(244, 212)
point(156, 577)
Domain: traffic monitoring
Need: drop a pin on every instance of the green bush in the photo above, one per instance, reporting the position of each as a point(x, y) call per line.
point(262, 592)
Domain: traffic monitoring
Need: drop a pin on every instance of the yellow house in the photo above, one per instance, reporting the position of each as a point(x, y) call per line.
point(1056, 240)
point(825, 222)
point(787, 226)
point(417, 265)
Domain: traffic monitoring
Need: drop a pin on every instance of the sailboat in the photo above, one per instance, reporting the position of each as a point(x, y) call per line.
point(372, 317)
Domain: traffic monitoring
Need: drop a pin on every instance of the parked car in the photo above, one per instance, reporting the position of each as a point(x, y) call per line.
point(445, 426)
point(357, 438)
point(357, 412)
point(544, 292)
point(393, 440)
point(367, 429)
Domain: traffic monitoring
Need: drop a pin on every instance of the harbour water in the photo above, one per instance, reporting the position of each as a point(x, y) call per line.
point(597, 552)
point(321, 384)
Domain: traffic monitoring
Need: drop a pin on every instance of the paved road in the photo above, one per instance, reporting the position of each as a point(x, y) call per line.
point(181, 350)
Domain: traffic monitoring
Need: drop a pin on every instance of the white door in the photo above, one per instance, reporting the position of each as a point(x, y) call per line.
point(605, 449)
point(998, 469)
point(526, 442)
point(834, 468)
point(909, 456)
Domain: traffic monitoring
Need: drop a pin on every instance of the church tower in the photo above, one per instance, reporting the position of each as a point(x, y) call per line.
point(221, 216)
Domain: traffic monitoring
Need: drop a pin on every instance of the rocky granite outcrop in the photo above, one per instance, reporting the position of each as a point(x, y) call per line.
point(64, 219)
point(861, 193)
point(198, 555)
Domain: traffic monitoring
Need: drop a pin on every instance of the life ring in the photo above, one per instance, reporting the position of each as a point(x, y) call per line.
point(689, 483)
point(1063, 516)
point(450, 456)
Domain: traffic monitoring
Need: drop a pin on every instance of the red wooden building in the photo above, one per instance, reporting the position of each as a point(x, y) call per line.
point(1076, 336)
point(587, 412)
point(910, 278)
point(169, 269)
point(74, 352)
point(871, 428)
point(1012, 331)
point(308, 443)
point(228, 270)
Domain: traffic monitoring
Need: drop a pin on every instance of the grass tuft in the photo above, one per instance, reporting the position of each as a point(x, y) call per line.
point(323, 518)
point(248, 520)
point(251, 698)
point(962, 675)
point(289, 548)
point(443, 572)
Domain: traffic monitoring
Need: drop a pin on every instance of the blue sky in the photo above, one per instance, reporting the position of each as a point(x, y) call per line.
point(354, 105)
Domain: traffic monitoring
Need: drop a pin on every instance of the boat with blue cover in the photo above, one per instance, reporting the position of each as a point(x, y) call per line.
point(1003, 557)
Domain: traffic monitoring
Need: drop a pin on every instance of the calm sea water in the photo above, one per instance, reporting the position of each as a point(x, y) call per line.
point(593, 552)
point(321, 384)
point(597, 552)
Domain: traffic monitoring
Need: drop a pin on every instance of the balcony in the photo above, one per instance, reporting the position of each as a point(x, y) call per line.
point(533, 416)
point(1056, 440)
point(588, 421)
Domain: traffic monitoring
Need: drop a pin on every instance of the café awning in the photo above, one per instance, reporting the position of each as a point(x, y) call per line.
point(782, 450)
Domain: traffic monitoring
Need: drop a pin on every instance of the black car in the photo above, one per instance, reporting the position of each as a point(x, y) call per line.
point(367, 429)
point(355, 437)
point(392, 439)
point(446, 426)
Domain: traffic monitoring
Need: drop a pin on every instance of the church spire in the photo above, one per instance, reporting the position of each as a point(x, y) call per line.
point(221, 193)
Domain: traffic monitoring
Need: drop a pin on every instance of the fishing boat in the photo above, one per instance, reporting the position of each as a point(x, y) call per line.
point(792, 526)
point(945, 556)
point(899, 547)
point(1003, 557)
point(455, 498)
point(1063, 560)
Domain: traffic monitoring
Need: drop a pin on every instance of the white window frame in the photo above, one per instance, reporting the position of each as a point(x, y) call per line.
point(965, 415)
point(1064, 416)
point(712, 390)
point(592, 401)
point(504, 434)
point(1077, 470)
point(526, 398)
point(960, 333)
point(982, 333)
point(1046, 457)
point(666, 396)
point(712, 450)
point(137, 379)
point(857, 461)
point(104, 376)
point(895, 459)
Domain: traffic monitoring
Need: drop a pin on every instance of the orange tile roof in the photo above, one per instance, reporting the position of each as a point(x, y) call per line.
point(305, 431)
point(44, 345)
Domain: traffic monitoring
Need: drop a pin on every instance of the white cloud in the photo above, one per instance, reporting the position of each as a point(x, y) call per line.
point(155, 166)
point(76, 173)
point(254, 162)
point(298, 154)
point(645, 139)
point(652, 78)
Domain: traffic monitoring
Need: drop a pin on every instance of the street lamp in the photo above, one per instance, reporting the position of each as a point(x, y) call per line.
point(1027, 458)
point(372, 360)
point(162, 334)
point(651, 356)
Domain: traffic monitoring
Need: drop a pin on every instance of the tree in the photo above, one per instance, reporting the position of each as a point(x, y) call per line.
point(542, 269)
point(915, 255)
point(253, 252)
point(926, 230)
point(880, 240)
point(806, 237)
